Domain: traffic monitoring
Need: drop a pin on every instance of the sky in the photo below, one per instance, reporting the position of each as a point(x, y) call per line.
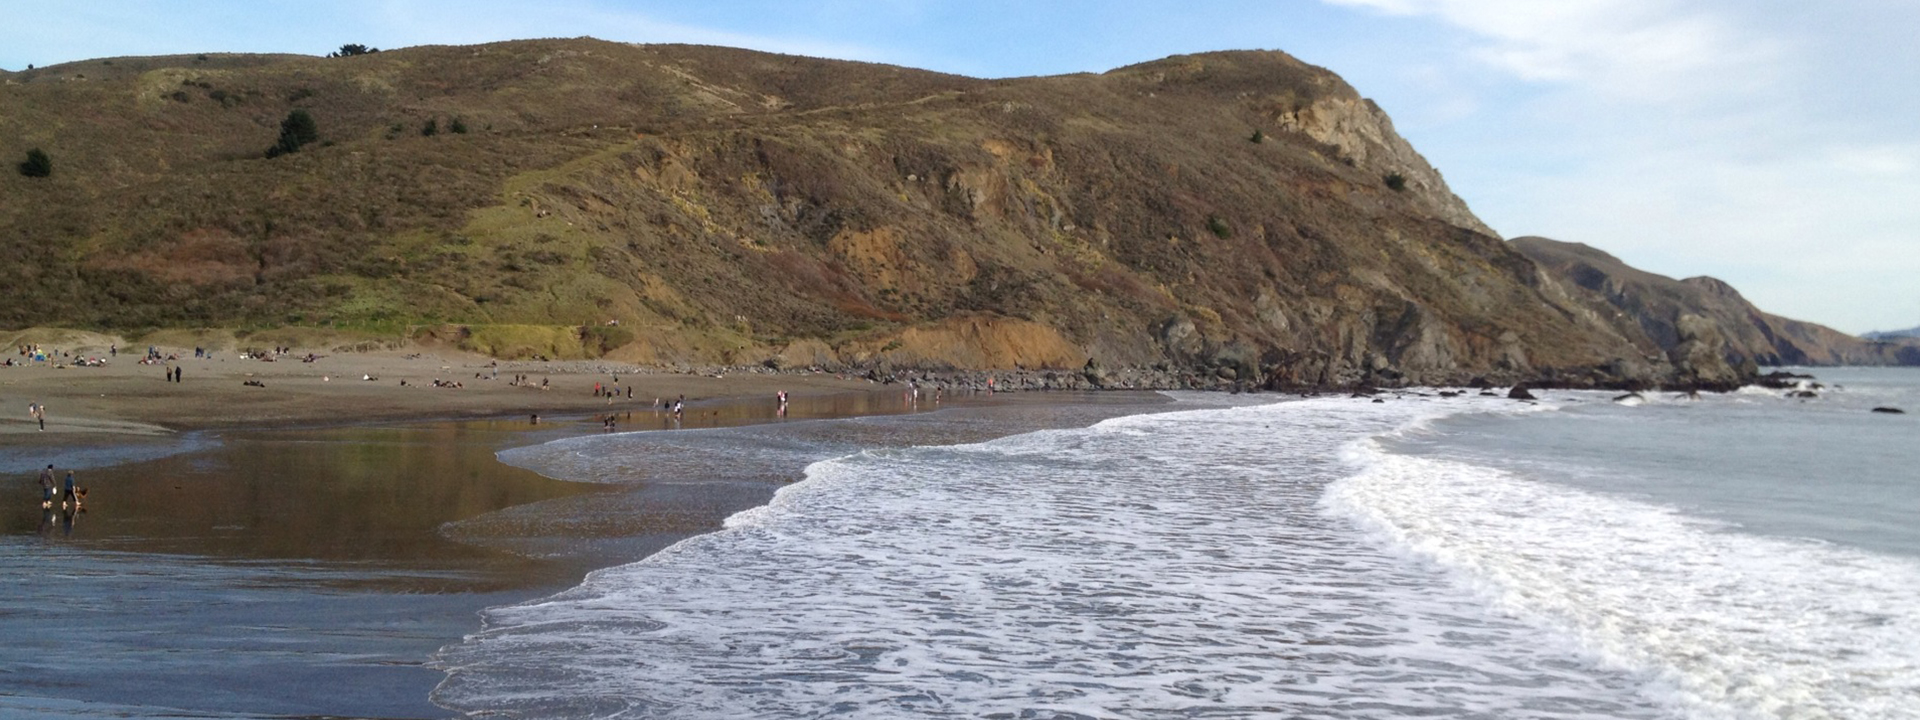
point(1768, 143)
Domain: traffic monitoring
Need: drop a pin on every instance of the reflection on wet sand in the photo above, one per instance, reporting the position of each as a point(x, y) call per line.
point(375, 494)
point(378, 494)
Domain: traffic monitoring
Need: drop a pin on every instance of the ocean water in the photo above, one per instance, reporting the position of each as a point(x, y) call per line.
point(1749, 555)
point(1237, 557)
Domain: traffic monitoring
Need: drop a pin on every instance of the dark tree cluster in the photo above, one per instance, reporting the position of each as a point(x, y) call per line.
point(295, 131)
point(352, 49)
point(37, 164)
point(432, 127)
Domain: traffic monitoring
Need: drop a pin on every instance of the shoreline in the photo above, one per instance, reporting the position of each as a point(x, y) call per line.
point(126, 397)
point(382, 558)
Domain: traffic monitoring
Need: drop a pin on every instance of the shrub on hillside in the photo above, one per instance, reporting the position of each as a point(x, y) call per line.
point(603, 339)
point(296, 131)
point(37, 164)
point(432, 127)
point(352, 49)
point(1396, 182)
point(457, 127)
point(1219, 227)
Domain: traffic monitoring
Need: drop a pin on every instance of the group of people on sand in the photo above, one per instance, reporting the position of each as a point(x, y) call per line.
point(32, 353)
point(154, 356)
point(611, 392)
point(72, 494)
point(677, 410)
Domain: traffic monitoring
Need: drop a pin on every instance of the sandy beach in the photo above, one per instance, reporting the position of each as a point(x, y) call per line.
point(126, 398)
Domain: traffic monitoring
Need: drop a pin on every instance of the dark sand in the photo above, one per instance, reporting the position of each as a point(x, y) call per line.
point(314, 571)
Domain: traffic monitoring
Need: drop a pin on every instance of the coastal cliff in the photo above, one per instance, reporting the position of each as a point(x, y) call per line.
point(1702, 326)
point(1226, 218)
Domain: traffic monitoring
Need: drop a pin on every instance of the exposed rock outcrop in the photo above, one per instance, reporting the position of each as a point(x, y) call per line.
point(1364, 136)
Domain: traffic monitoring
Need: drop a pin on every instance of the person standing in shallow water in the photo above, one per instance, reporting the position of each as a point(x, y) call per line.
point(46, 487)
point(68, 496)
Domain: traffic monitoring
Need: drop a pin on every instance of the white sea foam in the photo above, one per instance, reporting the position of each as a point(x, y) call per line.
point(1173, 565)
point(1726, 624)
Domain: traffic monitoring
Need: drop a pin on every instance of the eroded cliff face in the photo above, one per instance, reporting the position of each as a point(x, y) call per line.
point(1364, 135)
point(1223, 218)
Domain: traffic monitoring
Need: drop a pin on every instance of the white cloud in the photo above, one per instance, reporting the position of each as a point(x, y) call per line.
point(1753, 141)
point(1645, 50)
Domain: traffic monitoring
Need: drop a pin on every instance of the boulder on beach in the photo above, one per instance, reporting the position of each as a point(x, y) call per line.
point(1519, 392)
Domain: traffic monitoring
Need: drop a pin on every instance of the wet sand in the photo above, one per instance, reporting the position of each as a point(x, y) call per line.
point(128, 399)
point(314, 570)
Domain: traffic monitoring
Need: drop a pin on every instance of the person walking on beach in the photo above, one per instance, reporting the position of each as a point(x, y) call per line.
point(46, 487)
point(36, 411)
point(69, 496)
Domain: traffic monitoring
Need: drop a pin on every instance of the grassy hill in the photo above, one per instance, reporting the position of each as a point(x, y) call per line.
point(1241, 212)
